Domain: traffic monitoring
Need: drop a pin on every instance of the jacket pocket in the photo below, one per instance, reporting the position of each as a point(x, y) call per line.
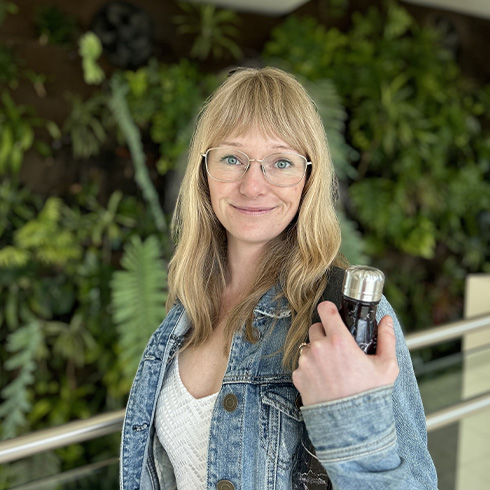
point(281, 424)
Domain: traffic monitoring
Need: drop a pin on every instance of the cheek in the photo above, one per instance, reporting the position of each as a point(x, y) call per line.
point(213, 193)
point(295, 199)
point(217, 193)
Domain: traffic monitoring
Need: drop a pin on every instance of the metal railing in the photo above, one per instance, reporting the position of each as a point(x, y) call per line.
point(77, 474)
point(447, 332)
point(63, 435)
point(100, 425)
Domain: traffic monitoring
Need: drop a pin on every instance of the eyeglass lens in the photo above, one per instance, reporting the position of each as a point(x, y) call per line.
point(229, 165)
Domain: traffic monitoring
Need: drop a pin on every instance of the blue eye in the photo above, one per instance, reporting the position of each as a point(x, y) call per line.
point(283, 164)
point(231, 160)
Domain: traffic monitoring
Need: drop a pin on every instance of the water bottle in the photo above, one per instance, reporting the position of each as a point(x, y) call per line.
point(361, 292)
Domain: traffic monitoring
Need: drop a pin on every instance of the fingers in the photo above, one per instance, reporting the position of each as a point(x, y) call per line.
point(317, 332)
point(331, 320)
point(386, 345)
point(333, 325)
point(333, 367)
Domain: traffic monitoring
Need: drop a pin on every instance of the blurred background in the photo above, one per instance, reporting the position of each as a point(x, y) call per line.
point(97, 105)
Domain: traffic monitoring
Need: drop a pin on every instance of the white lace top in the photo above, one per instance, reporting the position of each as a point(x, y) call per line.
point(182, 425)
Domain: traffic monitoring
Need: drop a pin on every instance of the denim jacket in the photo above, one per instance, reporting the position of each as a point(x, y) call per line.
point(260, 436)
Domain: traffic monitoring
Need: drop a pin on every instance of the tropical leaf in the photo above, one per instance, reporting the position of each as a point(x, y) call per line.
point(122, 114)
point(90, 50)
point(138, 299)
point(13, 257)
point(45, 237)
point(72, 340)
point(215, 30)
point(86, 125)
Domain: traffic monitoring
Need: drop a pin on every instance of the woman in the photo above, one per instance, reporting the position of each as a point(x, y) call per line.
point(223, 397)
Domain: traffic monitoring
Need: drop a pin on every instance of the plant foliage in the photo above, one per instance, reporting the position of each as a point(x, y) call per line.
point(132, 136)
point(164, 100)
point(87, 125)
point(17, 126)
point(418, 128)
point(215, 30)
point(56, 264)
point(90, 49)
point(53, 26)
point(7, 8)
point(138, 300)
point(22, 345)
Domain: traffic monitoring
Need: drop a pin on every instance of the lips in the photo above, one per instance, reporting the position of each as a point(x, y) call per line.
point(252, 210)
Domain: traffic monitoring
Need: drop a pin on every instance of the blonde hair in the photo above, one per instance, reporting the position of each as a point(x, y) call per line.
point(275, 102)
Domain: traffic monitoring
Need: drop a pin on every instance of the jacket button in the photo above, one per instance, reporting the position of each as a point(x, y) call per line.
point(225, 485)
point(230, 403)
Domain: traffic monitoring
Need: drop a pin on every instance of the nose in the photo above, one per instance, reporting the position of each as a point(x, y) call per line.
point(253, 183)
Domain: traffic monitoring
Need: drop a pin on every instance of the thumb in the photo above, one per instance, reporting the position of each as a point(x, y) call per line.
point(386, 338)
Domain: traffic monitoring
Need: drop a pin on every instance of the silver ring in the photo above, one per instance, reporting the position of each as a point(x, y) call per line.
point(302, 346)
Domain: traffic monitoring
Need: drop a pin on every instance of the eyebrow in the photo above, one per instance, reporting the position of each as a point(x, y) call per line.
point(275, 147)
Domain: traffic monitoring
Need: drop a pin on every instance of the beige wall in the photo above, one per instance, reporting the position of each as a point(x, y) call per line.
point(474, 431)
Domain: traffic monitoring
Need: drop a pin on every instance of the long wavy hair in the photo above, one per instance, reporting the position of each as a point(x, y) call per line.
point(274, 102)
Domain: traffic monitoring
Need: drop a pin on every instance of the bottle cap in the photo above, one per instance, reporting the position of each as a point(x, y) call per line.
point(363, 283)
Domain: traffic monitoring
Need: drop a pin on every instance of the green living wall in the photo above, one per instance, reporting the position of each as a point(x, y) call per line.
point(82, 272)
point(419, 186)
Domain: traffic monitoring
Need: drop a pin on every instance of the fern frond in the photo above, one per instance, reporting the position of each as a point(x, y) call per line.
point(60, 249)
point(51, 211)
point(13, 257)
point(37, 232)
point(23, 344)
point(334, 117)
point(46, 238)
point(138, 299)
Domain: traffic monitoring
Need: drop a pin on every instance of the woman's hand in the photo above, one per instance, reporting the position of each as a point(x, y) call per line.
point(333, 366)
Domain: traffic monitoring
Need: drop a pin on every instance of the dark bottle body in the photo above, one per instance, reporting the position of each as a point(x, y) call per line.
point(360, 319)
point(361, 293)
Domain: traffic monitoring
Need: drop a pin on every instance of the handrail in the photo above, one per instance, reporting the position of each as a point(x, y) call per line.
point(100, 425)
point(63, 435)
point(450, 331)
point(454, 413)
point(75, 474)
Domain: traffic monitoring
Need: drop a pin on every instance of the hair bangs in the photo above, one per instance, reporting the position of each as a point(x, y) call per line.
point(260, 101)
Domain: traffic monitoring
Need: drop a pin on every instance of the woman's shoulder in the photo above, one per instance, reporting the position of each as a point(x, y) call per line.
point(174, 324)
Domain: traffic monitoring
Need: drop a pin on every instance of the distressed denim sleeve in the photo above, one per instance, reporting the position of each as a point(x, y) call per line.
point(377, 439)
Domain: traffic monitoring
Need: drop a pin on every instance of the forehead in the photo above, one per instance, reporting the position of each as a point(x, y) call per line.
point(256, 138)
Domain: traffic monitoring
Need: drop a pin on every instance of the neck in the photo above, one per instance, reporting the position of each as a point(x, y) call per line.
point(242, 263)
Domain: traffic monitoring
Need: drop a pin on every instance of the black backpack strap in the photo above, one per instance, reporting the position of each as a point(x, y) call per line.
point(333, 290)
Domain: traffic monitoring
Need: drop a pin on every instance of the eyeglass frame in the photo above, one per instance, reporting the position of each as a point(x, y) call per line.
point(260, 161)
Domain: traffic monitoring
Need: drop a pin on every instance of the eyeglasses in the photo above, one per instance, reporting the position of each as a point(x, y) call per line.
point(229, 165)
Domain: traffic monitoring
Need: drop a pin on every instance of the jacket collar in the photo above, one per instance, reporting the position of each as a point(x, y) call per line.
point(273, 304)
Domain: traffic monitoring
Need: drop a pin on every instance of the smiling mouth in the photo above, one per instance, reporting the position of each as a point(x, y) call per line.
point(252, 211)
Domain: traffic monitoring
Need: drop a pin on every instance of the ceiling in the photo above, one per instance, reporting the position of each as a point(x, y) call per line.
point(476, 8)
